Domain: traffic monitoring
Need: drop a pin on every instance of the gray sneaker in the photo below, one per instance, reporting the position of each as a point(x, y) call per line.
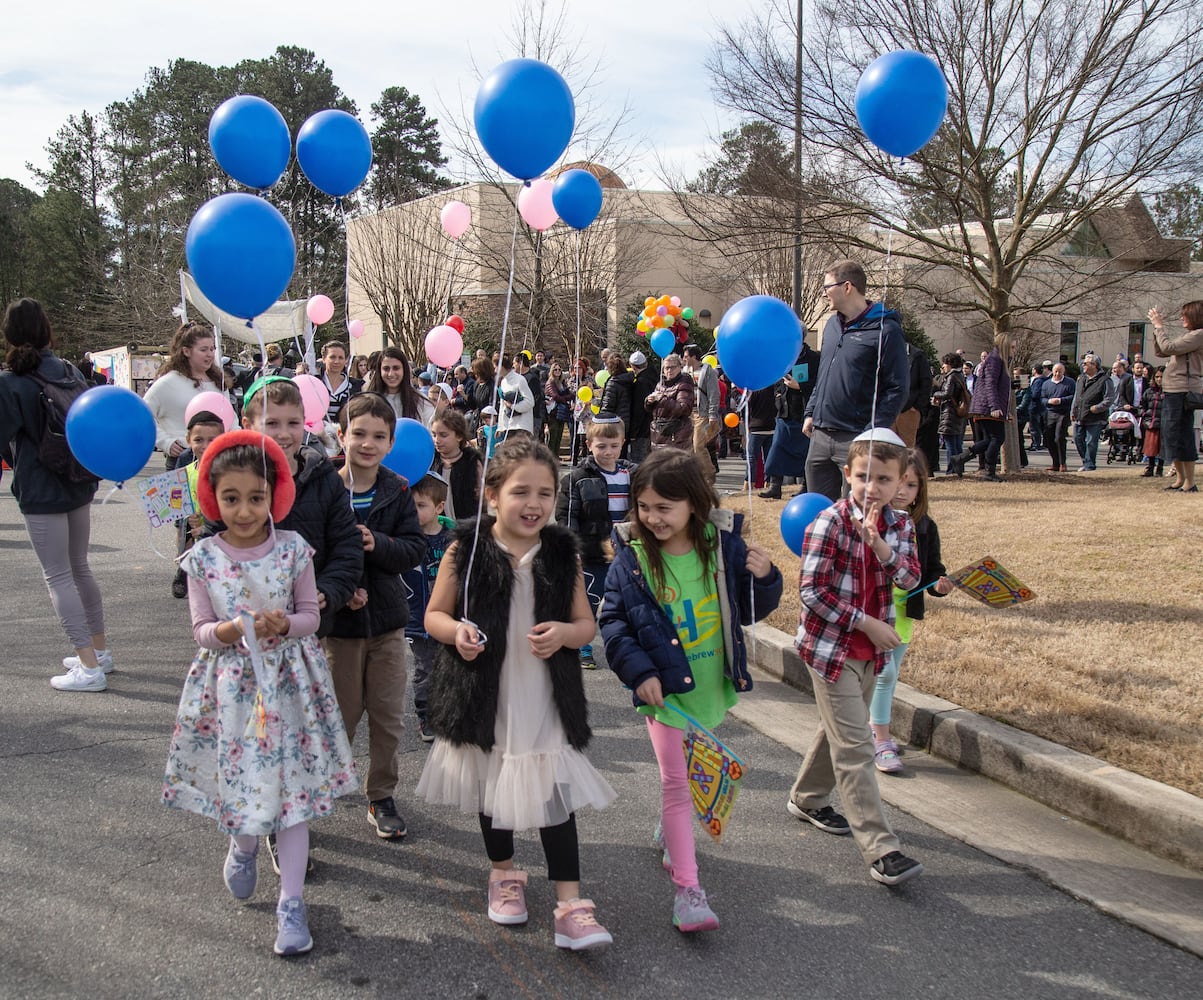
point(691, 912)
point(292, 927)
point(241, 871)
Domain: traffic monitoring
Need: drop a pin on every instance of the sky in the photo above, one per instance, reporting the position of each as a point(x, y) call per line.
point(61, 57)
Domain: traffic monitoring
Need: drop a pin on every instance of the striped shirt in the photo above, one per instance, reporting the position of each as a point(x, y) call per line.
point(362, 502)
point(618, 487)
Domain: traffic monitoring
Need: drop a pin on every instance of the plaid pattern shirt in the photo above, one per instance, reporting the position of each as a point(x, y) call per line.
point(832, 580)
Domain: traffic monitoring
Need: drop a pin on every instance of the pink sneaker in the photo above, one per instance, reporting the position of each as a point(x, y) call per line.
point(507, 896)
point(576, 927)
point(886, 757)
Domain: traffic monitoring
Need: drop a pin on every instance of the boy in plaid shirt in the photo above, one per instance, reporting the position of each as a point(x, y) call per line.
point(853, 555)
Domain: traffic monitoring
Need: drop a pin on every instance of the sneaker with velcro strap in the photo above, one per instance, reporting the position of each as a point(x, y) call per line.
point(826, 818)
point(895, 867)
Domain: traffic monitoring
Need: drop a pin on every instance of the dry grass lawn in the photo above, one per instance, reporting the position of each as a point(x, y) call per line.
point(1105, 659)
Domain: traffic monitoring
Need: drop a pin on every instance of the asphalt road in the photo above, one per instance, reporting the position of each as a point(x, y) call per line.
point(108, 894)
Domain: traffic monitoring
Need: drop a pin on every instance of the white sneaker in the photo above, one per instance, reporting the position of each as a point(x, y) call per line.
point(80, 679)
point(105, 659)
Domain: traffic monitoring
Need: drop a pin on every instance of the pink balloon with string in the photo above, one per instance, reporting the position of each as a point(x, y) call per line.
point(535, 204)
point(217, 403)
point(355, 329)
point(315, 398)
point(319, 309)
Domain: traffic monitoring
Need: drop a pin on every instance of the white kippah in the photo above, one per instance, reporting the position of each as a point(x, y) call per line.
point(882, 435)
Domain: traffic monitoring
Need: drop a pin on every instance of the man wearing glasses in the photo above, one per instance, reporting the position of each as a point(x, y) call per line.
point(856, 338)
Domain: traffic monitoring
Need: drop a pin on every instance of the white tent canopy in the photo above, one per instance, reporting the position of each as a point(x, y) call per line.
point(283, 321)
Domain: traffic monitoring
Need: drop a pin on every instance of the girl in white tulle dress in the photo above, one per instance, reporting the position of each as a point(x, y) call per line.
point(507, 701)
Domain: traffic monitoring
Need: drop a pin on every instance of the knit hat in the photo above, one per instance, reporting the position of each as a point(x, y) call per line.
point(283, 493)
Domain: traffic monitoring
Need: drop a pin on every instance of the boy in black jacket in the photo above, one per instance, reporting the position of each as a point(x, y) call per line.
point(593, 498)
point(430, 495)
point(367, 643)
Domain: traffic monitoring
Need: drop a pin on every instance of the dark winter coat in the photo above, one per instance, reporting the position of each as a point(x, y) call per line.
point(399, 547)
point(616, 398)
point(558, 394)
point(927, 546)
point(991, 388)
point(641, 640)
point(671, 408)
point(464, 487)
point(583, 507)
point(920, 373)
point(843, 396)
point(37, 489)
point(1093, 391)
point(539, 410)
point(641, 422)
point(947, 390)
point(463, 695)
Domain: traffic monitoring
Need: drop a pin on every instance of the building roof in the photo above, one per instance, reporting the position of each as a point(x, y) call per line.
point(605, 176)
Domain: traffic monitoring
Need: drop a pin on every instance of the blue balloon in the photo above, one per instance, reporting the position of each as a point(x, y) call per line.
point(412, 451)
point(524, 116)
point(758, 340)
point(797, 515)
point(111, 431)
point(241, 253)
point(334, 152)
point(250, 140)
point(901, 100)
point(577, 197)
point(663, 342)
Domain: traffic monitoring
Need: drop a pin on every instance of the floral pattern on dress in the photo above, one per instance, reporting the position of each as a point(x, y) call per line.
point(257, 773)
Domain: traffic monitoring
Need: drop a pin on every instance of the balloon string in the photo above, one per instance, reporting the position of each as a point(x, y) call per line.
point(742, 406)
point(484, 465)
point(346, 272)
point(530, 305)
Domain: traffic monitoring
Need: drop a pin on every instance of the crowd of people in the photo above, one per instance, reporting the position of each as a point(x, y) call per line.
point(317, 579)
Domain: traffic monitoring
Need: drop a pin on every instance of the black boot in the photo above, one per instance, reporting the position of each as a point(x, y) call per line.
point(1149, 471)
point(1160, 467)
point(774, 490)
point(991, 474)
point(956, 464)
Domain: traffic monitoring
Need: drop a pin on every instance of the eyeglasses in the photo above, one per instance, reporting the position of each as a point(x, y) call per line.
point(834, 284)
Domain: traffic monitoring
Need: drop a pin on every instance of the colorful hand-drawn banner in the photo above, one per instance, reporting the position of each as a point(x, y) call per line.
point(166, 497)
point(992, 584)
point(714, 774)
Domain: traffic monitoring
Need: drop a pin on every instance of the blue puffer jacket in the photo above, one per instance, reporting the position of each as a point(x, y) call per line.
point(641, 641)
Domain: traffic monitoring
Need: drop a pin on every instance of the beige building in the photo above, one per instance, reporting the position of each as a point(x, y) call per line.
point(1100, 284)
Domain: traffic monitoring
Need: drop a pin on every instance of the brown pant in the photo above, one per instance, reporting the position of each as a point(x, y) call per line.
point(907, 426)
point(369, 676)
point(842, 754)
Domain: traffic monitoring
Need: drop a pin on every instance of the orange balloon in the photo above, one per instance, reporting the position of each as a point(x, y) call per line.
point(664, 300)
point(649, 301)
point(731, 420)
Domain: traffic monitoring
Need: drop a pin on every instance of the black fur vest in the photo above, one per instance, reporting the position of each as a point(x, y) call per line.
point(462, 703)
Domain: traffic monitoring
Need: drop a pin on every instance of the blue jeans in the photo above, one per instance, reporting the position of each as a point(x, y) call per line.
point(954, 444)
point(1086, 440)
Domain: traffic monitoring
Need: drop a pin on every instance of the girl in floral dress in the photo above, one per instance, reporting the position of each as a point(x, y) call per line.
point(259, 744)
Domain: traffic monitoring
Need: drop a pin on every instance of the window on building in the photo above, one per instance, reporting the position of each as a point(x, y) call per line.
point(1136, 340)
point(1085, 242)
point(1068, 350)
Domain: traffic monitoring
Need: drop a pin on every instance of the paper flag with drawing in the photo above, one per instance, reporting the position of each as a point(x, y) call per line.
point(714, 774)
point(166, 497)
point(991, 583)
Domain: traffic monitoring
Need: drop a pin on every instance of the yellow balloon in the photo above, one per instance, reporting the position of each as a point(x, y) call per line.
point(601, 378)
point(595, 408)
point(584, 394)
point(711, 360)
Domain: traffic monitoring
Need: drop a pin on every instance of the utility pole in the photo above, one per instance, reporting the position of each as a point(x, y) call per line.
point(797, 296)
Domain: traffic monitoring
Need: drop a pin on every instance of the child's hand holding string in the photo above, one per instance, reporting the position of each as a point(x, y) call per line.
point(760, 563)
point(943, 586)
point(467, 641)
point(273, 622)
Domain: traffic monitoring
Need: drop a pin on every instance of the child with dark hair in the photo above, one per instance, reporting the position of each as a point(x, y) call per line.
point(430, 494)
point(258, 746)
point(682, 584)
point(457, 462)
point(203, 429)
point(366, 643)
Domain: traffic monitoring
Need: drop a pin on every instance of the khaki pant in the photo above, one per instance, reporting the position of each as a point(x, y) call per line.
point(841, 754)
point(703, 433)
point(369, 676)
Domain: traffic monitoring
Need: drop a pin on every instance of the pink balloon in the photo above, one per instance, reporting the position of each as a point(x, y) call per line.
point(315, 397)
point(456, 218)
point(217, 403)
point(355, 329)
point(534, 204)
point(444, 346)
point(319, 309)
point(676, 301)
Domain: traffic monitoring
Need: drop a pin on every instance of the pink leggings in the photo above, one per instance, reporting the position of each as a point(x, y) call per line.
point(676, 806)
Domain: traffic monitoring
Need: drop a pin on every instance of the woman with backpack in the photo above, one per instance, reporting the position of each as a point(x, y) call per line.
point(951, 395)
point(56, 505)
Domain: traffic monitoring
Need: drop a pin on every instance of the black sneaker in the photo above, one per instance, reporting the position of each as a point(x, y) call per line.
point(382, 814)
point(179, 585)
point(273, 852)
point(425, 733)
point(826, 819)
point(895, 867)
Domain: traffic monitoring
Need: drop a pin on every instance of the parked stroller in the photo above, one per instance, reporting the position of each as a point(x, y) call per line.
point(1121, 438)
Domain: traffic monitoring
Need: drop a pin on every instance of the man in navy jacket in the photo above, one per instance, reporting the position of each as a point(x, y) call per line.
point(842, 404)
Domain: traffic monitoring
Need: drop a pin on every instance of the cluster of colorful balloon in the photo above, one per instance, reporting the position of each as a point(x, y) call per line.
point(666, 321)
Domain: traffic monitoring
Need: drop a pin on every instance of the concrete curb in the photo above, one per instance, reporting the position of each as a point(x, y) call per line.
point(1164, 820)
